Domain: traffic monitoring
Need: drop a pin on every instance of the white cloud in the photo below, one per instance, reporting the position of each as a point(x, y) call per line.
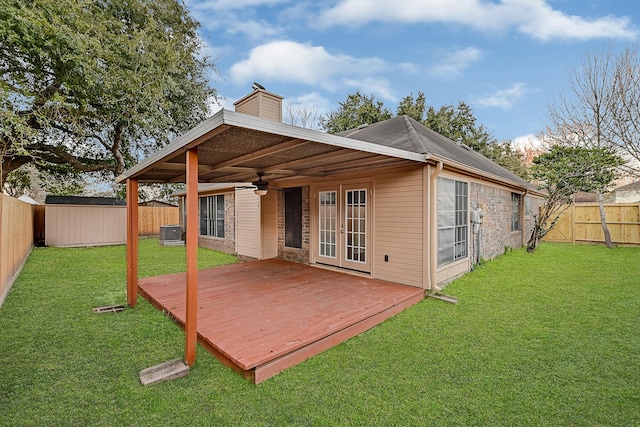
point(527, 142)
point(504, 98)
point(453, 63)
point(256, 30)
point(292, 62)
point(535, 18)
point(312, 100)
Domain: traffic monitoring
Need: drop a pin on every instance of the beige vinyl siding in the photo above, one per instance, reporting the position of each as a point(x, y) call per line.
point(75, 225)
point(248, 223)
point(398, 226)
point(249, 106)
point(269, 225)
point(452, 271)
point(261, 104)
point(271, 109)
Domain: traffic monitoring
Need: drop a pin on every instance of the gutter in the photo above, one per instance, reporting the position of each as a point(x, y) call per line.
point(523, 213)
point(495, 178)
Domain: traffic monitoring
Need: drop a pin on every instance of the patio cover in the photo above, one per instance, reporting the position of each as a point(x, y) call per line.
point(233, 147)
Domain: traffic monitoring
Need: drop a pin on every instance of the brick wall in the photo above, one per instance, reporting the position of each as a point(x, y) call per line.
point(295, 254)
point(228, 244)
point(496, 234)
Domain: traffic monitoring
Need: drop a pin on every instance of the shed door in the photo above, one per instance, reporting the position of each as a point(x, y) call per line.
point(344, 226)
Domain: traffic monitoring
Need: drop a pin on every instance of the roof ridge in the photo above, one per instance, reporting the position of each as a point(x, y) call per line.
point(413, 133)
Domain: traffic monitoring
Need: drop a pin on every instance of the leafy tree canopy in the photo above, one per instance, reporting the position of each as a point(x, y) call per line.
point(95, 84)
point(356, 110)
point(565, 170)
point(454, 122)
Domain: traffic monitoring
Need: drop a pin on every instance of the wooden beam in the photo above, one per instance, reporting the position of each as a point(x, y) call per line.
point(332, 155)
point(347, 165)
point(132, 242)
point(261, 153)
point(191, 327)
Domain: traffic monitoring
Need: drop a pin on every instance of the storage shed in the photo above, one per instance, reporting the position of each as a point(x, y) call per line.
point(84, 221)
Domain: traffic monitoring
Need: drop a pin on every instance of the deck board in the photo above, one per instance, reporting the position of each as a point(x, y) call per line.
point(265, 316)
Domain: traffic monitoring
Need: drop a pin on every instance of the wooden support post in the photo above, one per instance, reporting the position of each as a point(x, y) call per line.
point(132, 242)
point(190, 327)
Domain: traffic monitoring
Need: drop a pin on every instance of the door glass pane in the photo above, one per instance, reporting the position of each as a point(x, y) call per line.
point(327, 220)
point(356, 220)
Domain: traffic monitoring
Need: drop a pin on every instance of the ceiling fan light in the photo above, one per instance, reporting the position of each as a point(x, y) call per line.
point(260, 191)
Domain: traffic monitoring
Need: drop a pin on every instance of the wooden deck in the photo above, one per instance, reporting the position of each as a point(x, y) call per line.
point(262, 317)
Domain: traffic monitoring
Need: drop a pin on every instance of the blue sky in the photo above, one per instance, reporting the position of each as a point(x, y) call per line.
point(507, 59)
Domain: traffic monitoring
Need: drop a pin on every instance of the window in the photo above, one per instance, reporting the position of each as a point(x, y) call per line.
point(293, 217)
point(212, 216)
point(452, 220)
point(527, 206)
point(516, 201)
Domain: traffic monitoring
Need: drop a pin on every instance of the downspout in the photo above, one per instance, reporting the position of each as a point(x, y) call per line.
point(433, 206)
point(522, 217)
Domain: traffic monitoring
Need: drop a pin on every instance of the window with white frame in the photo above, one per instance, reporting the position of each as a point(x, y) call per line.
point(453, 214)
point(516, 203)
point(212, 216)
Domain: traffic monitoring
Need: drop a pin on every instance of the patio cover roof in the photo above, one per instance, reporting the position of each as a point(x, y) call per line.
point(233, 147)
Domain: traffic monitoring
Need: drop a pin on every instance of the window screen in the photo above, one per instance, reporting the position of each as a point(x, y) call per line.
point(212, 216)
point(452, 220)
point(516, 201)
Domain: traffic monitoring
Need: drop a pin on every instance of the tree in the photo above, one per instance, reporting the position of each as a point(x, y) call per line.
point(413, 108)
point(626, 106)
point(563, 171)
point(459, 124)
point(356, 110)
point(301, 115)
point(586, 117)
point(94, 85)
point(454, 122)
point(503, 154)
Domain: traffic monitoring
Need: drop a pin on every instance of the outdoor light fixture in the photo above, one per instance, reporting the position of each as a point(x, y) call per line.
point(261, 186)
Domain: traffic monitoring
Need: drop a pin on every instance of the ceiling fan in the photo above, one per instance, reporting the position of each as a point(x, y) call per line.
point(261, 186)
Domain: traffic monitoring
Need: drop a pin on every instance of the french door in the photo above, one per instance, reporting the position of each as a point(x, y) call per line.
point(343, 226)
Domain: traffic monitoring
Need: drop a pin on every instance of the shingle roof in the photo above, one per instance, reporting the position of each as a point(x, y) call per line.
point(408, 134)
point(634, 186)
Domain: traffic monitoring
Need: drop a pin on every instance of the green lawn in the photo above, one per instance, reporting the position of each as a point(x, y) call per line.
point(551, 338)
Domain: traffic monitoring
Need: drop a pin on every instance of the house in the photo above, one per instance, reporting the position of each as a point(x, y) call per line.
point(629, 193)
point(235, 227)
point(392, 200)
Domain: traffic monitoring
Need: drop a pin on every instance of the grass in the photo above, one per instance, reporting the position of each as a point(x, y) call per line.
point(544, 339)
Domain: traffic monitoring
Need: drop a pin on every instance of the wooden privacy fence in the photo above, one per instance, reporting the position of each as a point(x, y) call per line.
point(16, 239)
point(150, 218)
point(581, 223)
point(23, 224)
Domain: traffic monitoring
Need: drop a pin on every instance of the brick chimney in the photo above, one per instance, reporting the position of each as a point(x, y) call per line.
point(261, 103)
